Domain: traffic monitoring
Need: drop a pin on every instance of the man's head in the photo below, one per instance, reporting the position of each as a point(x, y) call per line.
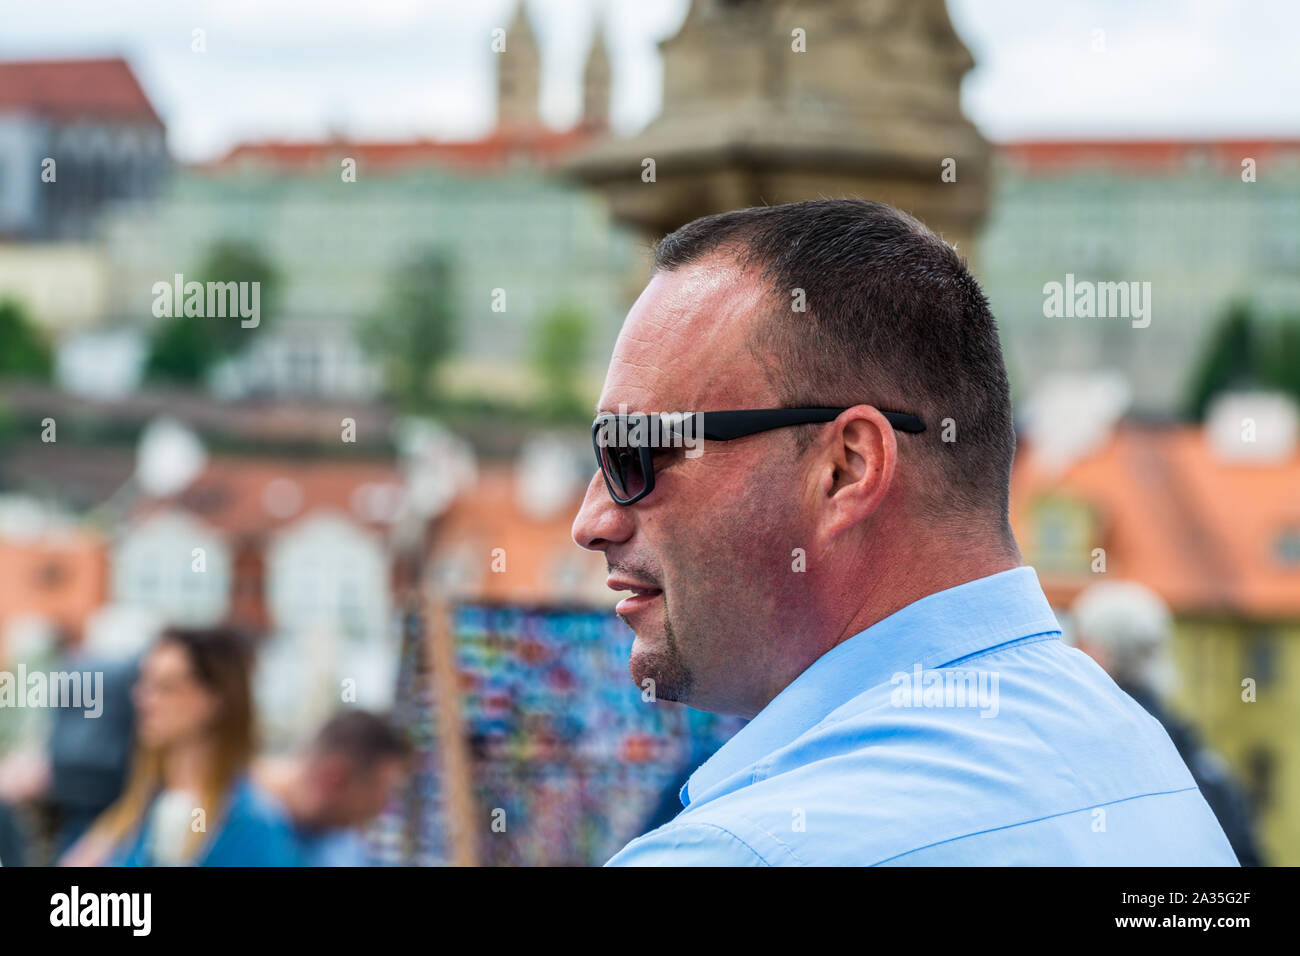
point(350, 771)
point(1126, 628)
point(757, 556)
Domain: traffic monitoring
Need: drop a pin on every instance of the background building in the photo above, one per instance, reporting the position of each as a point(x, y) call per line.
point(294, 552)
point(1211, 523)
point(494, 223)
point(1174, 213)
point(92, 118)
point(408, 425)
point(341, 222)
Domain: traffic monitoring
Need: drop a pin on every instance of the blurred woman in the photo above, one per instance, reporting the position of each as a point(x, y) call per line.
point(188, 800)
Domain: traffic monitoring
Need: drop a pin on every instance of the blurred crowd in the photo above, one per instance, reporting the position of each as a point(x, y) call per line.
point(163, 769)
point(166, 773)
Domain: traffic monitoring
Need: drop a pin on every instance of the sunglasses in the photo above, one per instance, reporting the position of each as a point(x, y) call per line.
point(626, 445)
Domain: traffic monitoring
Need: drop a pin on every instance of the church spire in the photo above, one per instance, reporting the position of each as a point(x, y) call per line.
point(519, 74)
point(595, 82)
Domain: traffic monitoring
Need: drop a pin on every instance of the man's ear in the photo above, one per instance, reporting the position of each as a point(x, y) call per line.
point(858, 467)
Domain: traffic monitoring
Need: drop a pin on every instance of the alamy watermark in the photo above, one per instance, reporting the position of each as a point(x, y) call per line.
point(662, 430)
point(84, 689)
point(132, 911)
point(1101, 300)
point(213, 300)
point(946, 687)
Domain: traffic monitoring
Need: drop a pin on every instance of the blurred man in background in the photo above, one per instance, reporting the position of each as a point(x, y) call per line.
point(74, 764)
point(12, 841)
point(89, 757)
point(343, 781)
point(1126, 628)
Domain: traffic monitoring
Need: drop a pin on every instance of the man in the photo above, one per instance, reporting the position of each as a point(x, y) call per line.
point(13, 842)
point(851, 583)
point(1126, 628)
point(344, 780)
point(90, 755)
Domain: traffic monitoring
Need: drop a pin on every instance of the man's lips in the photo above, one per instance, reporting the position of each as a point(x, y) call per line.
point(643, 594)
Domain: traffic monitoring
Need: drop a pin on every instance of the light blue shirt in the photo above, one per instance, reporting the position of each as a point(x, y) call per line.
point(959, 730)
point(254, 831)
point(340, 847)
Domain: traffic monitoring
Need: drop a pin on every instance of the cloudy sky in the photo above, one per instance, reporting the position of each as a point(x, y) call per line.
point(293, 69)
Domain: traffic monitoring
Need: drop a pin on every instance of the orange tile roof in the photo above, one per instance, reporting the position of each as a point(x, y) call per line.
point(497, 149)
point(231, 493)
point(63, 578)
point(75, 89)
point(1156, 156)
point(1200, 531)
point(488, 516)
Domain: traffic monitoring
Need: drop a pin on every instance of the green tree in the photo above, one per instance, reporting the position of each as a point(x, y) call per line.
point(1230, 359)
point(1247, 352)
point(24, 352)
point(559, 352)
point(1282, 356)
point(415, 330)
point(182, 348)
point(238, 261)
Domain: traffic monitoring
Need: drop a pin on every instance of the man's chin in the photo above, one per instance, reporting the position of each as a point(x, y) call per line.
point(648, 628)
point(657, 668)
point(641, 662)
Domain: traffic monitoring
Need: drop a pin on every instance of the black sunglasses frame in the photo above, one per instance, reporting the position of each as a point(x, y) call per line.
point(722, 426)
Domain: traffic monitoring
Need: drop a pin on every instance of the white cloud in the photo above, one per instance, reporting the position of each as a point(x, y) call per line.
point(1169, 67)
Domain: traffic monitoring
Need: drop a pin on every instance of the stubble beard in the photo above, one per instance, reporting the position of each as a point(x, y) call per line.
point(666, 667)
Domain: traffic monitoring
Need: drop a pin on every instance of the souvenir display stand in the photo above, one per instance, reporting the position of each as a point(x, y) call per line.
point(532, 744)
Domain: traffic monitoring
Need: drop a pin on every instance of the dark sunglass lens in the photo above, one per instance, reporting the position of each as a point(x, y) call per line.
point(623, 466)
point(620, 463)
point(633, 476)
point(611, 471)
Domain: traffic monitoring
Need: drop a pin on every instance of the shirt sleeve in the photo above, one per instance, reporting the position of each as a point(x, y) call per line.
point(254, 833)
point(257, 842)
point(688, 844)
point(344, 848)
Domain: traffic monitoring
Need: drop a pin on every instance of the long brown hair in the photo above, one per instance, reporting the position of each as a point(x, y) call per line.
point(221, 659)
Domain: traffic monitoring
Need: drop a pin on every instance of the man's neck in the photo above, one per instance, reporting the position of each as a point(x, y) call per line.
point(888, 587)
point(895, 592)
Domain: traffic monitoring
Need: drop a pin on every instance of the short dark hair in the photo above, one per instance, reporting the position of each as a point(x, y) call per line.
point(362, 737)
point(893, 319)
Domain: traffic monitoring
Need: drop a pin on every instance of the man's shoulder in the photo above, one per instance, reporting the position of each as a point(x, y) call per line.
point(333, 848)
point(256, 830)
point(704, 842)
point(1043, 744)
point(1038, 705)
point(254, 802)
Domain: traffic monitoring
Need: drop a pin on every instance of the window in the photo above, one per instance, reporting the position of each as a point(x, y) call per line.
point(1288, 547)
point(1061, 532)
point(51, 575)
point(1260, 767)
point(1053, 532)
point(1261, 657)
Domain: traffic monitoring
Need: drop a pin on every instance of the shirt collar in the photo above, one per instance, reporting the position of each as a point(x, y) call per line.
point(938, 629)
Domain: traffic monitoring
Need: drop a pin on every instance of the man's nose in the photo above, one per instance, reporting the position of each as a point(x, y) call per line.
point(600, 522)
